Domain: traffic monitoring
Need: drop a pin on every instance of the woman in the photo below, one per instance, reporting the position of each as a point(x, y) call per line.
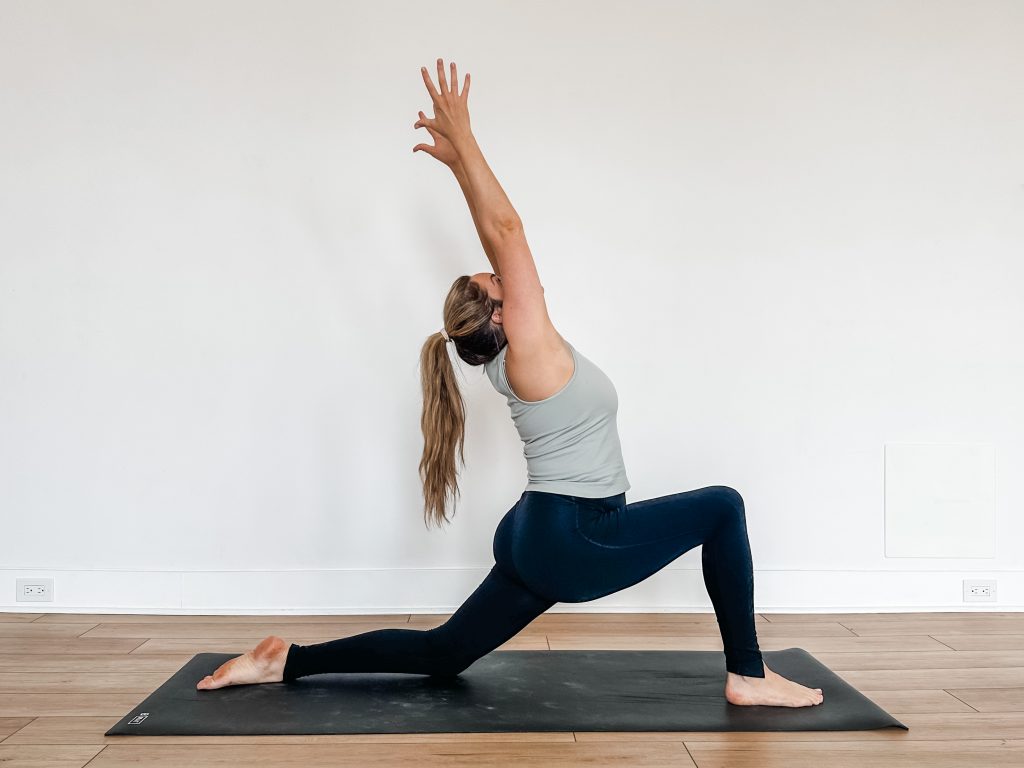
point(571, 536)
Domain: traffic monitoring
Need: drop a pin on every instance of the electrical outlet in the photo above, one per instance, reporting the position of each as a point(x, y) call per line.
point(35, 590)
point(979, 590)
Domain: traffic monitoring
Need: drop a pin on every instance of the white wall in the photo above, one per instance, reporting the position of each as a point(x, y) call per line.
point(790, 232)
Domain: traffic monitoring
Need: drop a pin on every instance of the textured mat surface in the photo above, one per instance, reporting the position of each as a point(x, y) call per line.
point(505, 691)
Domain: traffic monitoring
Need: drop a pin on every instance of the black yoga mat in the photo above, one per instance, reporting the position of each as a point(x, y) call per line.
point(505, 691)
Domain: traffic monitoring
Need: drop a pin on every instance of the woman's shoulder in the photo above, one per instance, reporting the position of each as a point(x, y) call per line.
point(539, 370)
point(552, 347)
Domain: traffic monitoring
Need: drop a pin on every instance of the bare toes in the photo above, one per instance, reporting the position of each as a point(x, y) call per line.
point(220, 678)
point(207, 683)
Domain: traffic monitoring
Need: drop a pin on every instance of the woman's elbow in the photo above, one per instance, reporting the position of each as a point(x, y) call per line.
point(509, 224)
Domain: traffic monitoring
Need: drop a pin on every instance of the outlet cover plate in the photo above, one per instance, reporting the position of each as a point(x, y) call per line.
point(976, 598)
point(34, 590)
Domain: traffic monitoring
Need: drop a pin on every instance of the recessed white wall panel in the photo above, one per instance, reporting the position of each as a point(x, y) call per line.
point(939, 500)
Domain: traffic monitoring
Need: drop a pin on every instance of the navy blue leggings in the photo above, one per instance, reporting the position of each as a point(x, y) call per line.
point(552, 547)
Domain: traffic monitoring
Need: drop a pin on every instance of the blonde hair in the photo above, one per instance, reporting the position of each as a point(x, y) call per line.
point(467, 320)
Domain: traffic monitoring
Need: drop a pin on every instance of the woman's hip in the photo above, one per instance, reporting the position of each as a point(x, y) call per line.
point(572, 549)
point(542, 542)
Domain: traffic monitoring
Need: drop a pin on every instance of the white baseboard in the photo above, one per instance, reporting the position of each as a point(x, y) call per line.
point(442, 590)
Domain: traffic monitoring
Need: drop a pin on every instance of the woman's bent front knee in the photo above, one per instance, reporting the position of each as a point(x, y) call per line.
point(731, 499)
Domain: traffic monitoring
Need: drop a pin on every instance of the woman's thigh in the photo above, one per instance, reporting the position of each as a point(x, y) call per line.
point(574, 549)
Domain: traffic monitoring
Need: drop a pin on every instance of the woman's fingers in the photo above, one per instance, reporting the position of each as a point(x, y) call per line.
point(430, 85)
point(442, 83)
point(443, 86)
point(423, 122)
point(451, 117)
point(426, 122)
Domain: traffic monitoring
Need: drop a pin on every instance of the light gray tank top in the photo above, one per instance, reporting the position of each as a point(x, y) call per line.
point(570, 440)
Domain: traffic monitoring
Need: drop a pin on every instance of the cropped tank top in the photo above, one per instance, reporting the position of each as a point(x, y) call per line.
point(570, 439)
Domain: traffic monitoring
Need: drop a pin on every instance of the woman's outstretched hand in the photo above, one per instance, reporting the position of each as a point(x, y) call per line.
point(450, 124)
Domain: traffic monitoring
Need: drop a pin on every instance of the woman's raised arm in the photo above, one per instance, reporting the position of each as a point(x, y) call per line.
point(445, 153)
point(525, 317)
point(492, 209)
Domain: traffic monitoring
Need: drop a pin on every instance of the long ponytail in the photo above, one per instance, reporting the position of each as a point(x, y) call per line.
point(467, 318)
point(443, 423)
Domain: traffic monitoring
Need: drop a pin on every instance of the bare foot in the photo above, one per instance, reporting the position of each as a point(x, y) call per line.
point(263, 664)
point(772, 690)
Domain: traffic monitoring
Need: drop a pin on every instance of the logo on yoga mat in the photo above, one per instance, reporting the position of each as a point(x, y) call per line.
point(138, 719)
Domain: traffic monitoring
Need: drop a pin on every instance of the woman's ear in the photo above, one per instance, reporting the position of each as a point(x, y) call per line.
point(496, 317)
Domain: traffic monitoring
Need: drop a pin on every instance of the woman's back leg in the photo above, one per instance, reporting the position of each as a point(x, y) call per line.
point(496, 611)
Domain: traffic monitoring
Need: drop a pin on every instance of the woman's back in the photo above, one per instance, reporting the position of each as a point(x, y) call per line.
point(570, 438)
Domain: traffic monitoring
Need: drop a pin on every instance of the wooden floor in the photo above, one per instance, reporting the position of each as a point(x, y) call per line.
point(956, 679)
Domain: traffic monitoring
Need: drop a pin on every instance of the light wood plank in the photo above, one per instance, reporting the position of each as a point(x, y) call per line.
point(898, 618)
point(740, 737)
point(42, 631)
point(94, 704)
point(856, 754)
point(992, 699)
point(962, 726)
point(18, 617)
point(253, 631)
point(921, 660)
point(241, 645)
point(981, 642)
point(948, 727)
point(30, 756)
point(912, 679)
point(934, 701)
point(970, 625)
point(32, 646)
point(812, 645)
point(166, 663)
point(149, 618)
point(9, 725)
point(90, 730)
point(521, 755)
point(80, 682)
